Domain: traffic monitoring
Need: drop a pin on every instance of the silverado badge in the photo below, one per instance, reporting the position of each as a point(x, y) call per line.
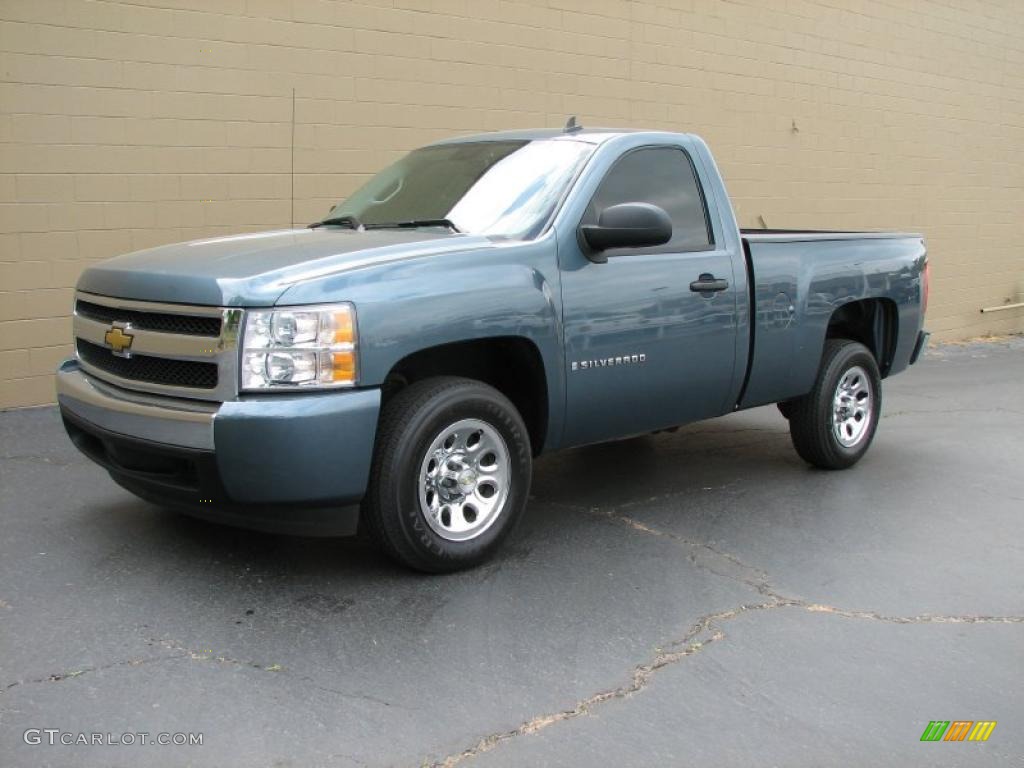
point(119, 340)
point(604, 362)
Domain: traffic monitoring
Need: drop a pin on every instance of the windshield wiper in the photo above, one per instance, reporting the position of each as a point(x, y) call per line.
point(342, 221)
point(416, 223)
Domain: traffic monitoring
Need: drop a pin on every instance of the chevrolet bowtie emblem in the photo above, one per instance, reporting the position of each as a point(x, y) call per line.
point(119, 340)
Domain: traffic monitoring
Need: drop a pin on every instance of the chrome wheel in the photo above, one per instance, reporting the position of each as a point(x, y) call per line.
point(852, 407)
point(464, 480)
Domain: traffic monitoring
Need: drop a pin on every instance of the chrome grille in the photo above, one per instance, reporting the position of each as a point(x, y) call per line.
point(187, 325)
point(175, 349)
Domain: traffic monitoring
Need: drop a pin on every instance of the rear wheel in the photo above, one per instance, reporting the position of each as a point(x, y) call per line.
point(451, 474)
point(833, 425)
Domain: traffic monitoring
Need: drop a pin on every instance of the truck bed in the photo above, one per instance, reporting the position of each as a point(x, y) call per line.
point(797, 279)
point(808, 235)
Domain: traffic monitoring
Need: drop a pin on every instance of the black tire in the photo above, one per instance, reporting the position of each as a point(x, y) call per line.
point(785, 408)
point(812, 417)
point(408, 426)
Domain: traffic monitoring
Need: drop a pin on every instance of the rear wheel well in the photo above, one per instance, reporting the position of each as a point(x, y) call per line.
point(872, 322)
point(510, 364)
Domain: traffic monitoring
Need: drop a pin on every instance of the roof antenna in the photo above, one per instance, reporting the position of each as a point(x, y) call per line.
point(571, 126)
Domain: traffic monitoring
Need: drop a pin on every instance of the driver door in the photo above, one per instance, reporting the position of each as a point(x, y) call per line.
point(644, 348)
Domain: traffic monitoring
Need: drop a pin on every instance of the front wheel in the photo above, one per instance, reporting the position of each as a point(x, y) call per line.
point(833, 425)
point(451, 474)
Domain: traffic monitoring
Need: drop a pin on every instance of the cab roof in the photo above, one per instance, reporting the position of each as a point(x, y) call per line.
point(589, 135)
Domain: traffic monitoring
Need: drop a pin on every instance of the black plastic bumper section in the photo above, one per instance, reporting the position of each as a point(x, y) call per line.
point(188, 480)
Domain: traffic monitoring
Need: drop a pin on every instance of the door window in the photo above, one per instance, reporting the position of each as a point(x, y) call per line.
point(665, 177)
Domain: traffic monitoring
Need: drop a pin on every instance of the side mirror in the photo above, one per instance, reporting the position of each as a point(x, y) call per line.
point(627, 225)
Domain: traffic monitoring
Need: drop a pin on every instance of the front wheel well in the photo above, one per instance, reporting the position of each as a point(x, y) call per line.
point(510, 364)
point(872, 322)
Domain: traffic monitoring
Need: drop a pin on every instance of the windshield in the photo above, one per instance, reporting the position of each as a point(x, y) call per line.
point(502, 189)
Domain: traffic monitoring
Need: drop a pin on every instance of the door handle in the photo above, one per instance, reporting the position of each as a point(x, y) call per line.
point(707, 285)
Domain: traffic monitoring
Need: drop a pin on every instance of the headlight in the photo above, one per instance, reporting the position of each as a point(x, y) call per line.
point(299, 347)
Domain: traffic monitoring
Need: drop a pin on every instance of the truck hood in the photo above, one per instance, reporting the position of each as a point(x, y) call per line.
point(255, 269)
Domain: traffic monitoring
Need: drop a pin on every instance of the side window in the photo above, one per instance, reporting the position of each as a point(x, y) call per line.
point(663, 176)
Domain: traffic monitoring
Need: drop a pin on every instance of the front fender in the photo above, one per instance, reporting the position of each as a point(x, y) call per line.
point(409, 306)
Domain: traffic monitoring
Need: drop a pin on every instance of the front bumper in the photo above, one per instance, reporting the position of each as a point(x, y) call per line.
point(295, 462)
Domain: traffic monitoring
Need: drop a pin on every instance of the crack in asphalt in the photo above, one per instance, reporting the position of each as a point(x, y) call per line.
point(200, 655)
point(70, 675)
point(699, 545)
point(350, 695)
point(764, 587)
point(687, 646)
point(726, 487)
point(704, 632)
point(182, 651)
point(756, 578)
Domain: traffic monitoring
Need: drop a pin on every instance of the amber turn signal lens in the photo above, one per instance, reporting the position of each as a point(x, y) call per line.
point(343, 366)
point(342, 328)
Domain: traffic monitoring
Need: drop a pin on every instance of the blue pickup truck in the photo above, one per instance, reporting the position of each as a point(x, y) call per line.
point(396, 367)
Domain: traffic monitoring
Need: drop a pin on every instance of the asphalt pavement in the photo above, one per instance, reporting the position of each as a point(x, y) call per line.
point(696, 598)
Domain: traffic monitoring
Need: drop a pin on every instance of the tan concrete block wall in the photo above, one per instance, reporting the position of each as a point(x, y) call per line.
point(128, 124)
